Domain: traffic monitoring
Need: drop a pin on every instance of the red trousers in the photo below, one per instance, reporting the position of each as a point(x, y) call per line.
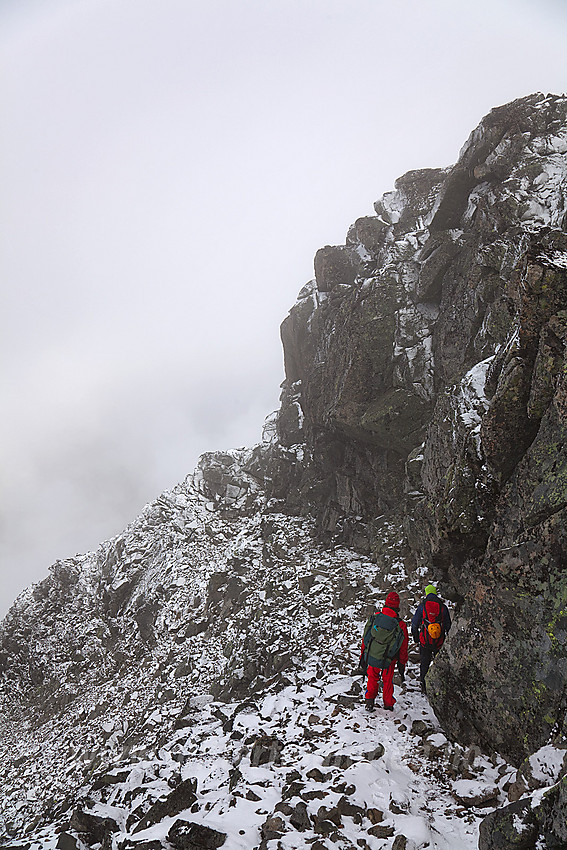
point(373, 685)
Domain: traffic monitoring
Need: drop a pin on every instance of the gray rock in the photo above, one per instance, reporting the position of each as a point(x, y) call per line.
point(65, 841)
point(306, 582)
point(284, 807)
point(335, 265)
point(94, 827)
point(251, 795)
point(292, 789)
point(486, 797)
point(370, 232)
point(299, 818)
point(376, 753)
point(380, 831)
point(265, 749)
point(338, 760)
point(511, 828)
point(551, 816)
point(516, 791)
point(180, 799)
point(273, 827)
point(325, 814)
point(324, 826)
point(316, 774)
point(185, 835)
point(420, 728)
point(345, 807)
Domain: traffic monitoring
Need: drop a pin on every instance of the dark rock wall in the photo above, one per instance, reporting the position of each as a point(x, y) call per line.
point(425, 378)
point(499, 532)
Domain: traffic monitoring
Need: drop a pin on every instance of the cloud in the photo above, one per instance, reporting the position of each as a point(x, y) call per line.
point(168, 172)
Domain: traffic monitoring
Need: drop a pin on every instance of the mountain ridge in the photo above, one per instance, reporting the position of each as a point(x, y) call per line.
point(420, 435)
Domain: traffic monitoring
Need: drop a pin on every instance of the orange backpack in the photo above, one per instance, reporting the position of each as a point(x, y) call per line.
point(431, 631)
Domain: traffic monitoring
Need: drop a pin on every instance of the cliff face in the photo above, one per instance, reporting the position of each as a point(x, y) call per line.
point(425, 378)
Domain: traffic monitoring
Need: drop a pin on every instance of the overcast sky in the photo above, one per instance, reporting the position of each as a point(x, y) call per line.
point(168, 170)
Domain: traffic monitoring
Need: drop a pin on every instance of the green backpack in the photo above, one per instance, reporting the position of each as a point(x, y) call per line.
point(383, 638)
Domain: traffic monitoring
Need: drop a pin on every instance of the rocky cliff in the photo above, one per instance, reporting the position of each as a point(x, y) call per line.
point(421, 434)
point(425, 378)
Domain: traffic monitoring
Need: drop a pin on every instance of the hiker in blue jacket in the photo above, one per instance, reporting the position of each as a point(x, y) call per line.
point(429, 626)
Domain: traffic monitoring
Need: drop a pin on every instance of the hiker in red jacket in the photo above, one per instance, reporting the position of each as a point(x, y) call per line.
point(384, 644)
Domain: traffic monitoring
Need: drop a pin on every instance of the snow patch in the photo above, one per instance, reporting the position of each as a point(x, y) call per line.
point(546, 764)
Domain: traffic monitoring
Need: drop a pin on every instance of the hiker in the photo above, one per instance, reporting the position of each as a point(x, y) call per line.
point(384, 644)
point(429, 626)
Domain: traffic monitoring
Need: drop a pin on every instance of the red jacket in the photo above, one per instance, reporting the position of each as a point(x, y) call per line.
point(402, 656)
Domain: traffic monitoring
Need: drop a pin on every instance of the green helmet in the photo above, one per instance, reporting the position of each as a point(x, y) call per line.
point(430, 589)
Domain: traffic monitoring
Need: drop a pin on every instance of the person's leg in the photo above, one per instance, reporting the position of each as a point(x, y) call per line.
point(424, 662)
point(388, 680)
point(372, 686)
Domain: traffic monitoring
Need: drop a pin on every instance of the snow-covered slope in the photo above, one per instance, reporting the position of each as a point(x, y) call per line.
point(294, 768)
point(230, 702)
point(253, 610)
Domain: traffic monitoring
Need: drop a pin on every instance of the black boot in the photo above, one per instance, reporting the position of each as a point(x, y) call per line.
point(369, 704)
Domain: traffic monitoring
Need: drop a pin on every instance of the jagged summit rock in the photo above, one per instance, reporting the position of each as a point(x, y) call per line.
point(367, 358)
point(422, 432)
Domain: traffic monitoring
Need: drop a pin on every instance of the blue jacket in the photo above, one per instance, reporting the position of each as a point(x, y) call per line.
point(418, 616)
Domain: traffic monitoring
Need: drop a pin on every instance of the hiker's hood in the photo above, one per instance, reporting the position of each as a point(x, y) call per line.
point(432, 597)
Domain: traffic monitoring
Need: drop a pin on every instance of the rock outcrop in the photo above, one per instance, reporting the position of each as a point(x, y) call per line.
point(425, 378)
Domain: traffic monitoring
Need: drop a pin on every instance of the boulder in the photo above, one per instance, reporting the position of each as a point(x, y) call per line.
point(185, 835)
point(265, 749)
point(469, 794)
point(512, 828)
point(272, 828)
point(526, 824)
point(380, 831)
point(180, 799)
point(376, 753)
point(299, 818)
point(91, 827)
point(551, 815)
point(351, 810)
point(338, 760)
point(65, 841)
point(335, 265)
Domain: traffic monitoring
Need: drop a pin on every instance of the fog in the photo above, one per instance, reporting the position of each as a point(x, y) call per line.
point(168, 170)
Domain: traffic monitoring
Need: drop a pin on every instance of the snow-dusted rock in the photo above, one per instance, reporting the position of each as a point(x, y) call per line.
point(185, 835)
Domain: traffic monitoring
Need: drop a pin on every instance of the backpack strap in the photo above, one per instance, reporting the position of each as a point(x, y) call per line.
point(368, 631)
